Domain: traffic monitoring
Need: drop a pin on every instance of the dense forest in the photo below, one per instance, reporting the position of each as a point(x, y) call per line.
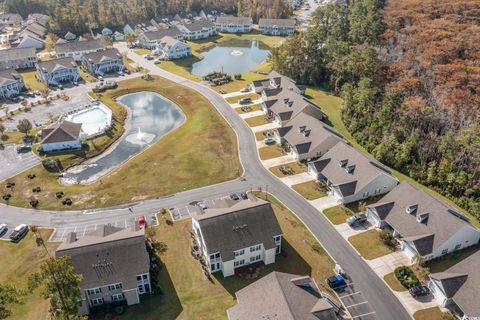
point(79, 15)
point(409, 74)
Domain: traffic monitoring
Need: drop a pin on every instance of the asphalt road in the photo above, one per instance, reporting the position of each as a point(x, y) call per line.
point(382, 304)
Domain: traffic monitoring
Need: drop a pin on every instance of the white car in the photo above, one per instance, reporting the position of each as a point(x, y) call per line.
point(269, 140)
point(3, 229)
point(245, 90)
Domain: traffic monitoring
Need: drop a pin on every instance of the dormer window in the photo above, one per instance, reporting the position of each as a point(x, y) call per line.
point(350, 169)
point(422, 218)
point(285, 100)
point(343, 163)
point(306, 133)
point(302, 128)
point(411, 209)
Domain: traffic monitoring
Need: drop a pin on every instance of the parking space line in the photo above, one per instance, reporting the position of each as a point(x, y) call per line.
point(125, 222)
point(95, 226)
point(84, 230)
point(63, 233)
point(362, 315)
point(348, 295)
point(75, 230)
point(356, 304)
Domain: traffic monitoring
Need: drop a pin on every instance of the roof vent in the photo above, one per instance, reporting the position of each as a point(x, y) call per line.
point(350, 169)
point(411, 209)
point(343, 163)
point(422, 218)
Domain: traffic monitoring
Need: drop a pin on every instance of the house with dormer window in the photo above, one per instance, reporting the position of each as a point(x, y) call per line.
point(273, 85)
point(103, 62)
point(56, 71)
point(425, 225)
point(233, 234)
point(11, 84)
point(114, 264)
point(351, 175)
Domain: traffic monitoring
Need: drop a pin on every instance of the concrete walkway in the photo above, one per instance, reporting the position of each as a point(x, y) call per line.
point(251, 114)
point(297, 178)
point(278, 161)
point(347, 231)
point(388, 263)
point(324, 203)
point(263, 127)
point(412, 304)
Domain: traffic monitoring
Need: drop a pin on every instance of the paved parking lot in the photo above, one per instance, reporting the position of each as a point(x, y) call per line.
point(355, 303)
point(11, 162)
point(61, 233)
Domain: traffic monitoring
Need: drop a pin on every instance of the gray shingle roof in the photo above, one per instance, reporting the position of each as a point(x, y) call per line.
point(108, 255)
point(66, 131)
point(158, 35)
point(287, 104)
point(461, 282)
point(233, 20)
point(289, 23)
point(77, 46)
point(16, 54)
point(255, 217)
point(282, 296)
point(364, 168)
point(427, 236)
point(55, 64)
point(8, 76)
point(198, 25)
point(99, 56)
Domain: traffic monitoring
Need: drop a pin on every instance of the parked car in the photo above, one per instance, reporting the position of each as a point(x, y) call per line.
point(121, 73)
point(418, 291)
point(245, 90)
point(75, 83)
point(142, 223)
point(244, 195)
point(157, 62)
point(336, 282)
point(245, 101)
point(24, 149)
point(269, 140)
point(202, 205)
point(3, 229)
point(234, 196)
point(148, 57)
point(19, 232)
point(357, 219)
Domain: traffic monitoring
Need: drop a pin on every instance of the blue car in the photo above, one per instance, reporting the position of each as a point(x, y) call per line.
point(336, 282)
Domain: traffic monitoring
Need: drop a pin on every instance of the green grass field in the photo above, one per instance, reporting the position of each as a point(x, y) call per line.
point(288, 169)
point(257, 121)
point(393, 283)
point(201, 152)
point(338, 214)
point(271, 152)
point(309, 190)
point(369, 246)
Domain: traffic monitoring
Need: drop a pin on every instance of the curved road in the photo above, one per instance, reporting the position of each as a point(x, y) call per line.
point(384, 304)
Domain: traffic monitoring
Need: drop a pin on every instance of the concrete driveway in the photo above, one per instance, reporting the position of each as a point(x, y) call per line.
point(278, 161)
point(12, 163)
point(347, 231)
point(388, 263)
point(251, 114)
point(297, 178)
point(324, 203)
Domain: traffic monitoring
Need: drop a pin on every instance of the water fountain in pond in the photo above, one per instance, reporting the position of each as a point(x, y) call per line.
point(236, 53)
point(140, 137)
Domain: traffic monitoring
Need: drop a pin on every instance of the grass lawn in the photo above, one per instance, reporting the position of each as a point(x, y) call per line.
point(189, 295)
point(393, 283)
point(31, 83)
point(338, 214)
point(290, 168)
point(442, 264)
point(332, 106)
point(262, 134)
point(19, 260)
point(257, 121)
point(203, 151)
point(181, 67)
point(432, 314)
point(310, 190)
point(250, 108)
point(271, 152)
point(85, 75)
point(236, 99)
point(142, 52)
point(369, 246)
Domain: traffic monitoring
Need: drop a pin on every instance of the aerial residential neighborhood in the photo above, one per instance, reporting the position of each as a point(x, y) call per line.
point(239, 160)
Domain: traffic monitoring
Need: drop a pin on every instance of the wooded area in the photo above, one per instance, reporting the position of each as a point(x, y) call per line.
point(79, 15)
point(409, 74)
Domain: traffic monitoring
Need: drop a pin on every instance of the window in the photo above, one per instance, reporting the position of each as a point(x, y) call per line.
point(239, 263)
point(141, 289)
point(255, 258)
point(97, 301)
point(118, 297)
point(255, 248)
point(377, 191)
point(277, 238)
point(458, 246)
point(115, 286)
point(94, 291)
point(239, 253)
point(444, 251)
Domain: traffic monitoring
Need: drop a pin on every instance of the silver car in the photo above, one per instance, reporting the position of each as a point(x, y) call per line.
point(356, 219)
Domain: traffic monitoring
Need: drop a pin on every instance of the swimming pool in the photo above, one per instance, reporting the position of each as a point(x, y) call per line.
point(94, 120)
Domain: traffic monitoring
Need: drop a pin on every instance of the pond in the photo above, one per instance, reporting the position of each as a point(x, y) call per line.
point(232, 57)
point(152, 116)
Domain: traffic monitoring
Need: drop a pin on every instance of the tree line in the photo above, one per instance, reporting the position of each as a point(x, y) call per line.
point(81, 15)
point(408, 74)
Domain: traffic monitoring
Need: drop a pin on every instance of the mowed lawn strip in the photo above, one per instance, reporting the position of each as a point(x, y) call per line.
point(18, 262)
point(271, 152)
point(257, 121)
point(337, 214)
point(433, 313)
point(249, 108)
point(369, 246)
point(288, 169)
point(309, 190)
point(187, 294)
point(203, 151)
point(393, 283)
point(236, 99)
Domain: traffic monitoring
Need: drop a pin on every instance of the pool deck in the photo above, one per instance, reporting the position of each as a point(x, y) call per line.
point(91, 130)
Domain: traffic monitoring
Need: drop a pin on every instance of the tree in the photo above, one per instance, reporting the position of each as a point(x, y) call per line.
point(60, 284)
point(130, 38)
point(2, 130)
point(24, 126)
point(8, 295)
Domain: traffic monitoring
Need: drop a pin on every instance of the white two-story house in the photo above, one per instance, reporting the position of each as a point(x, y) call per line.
point(277, 27)
point(233, 234)
point(114, 264)
point(11, 84)
point(56, 71)
point(151, 39)
point(170, 49)
point(425, 225)
point(103, 62)
point(77, 49)
point(231, 24)
point(18, 58)
point(351, 175)
point(200, 29)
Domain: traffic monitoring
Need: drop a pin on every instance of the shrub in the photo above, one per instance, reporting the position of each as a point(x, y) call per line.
point(31, 176)
point(52, 165)
point(406, 276)
point(34, 203)
point(67, 202)
point(59, 194)
point(237, 76)
point(6, 197)
point(36, 189)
